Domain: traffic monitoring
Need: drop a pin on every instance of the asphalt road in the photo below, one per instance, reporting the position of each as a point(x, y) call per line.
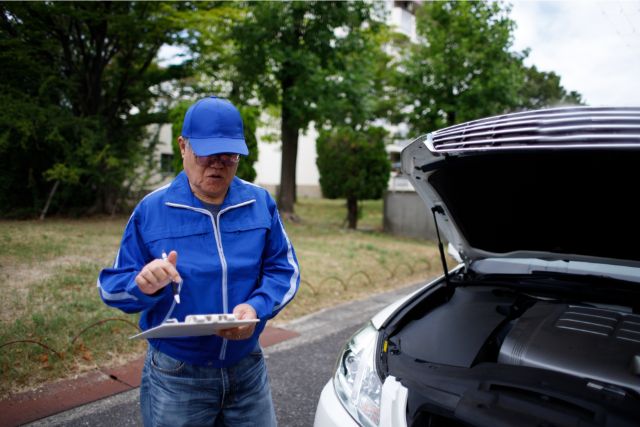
point(298, 369)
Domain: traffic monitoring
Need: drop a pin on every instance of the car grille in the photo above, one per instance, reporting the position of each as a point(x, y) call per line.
point(552, 128)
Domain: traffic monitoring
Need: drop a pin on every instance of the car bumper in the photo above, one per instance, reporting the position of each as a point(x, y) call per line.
point(331, 413)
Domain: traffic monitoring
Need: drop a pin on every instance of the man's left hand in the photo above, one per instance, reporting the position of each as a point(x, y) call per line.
point(241, 311)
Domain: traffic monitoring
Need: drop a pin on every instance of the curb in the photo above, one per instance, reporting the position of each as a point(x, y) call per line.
point(63, 395)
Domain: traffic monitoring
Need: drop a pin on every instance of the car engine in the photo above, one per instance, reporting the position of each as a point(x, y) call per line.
point(589, 342)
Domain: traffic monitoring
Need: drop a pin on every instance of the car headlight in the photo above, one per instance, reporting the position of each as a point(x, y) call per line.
point(356, 381)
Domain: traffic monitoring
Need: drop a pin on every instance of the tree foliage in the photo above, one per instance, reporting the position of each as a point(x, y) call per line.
point(296, 55)
point(543, 89)
point(354, 165)
point(464, 67)
point(209, 42)
point(79, 83)
point(352, 160)
point(77, 89)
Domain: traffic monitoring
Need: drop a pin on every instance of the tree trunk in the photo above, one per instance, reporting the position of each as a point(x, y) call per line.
point(451, 118)
point(286, 195)
point(352, 212)
point(51, 193)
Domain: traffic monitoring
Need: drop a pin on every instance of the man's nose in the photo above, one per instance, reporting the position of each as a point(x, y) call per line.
point(215, 162)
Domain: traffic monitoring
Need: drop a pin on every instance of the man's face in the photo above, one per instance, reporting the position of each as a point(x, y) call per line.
point(210, 182)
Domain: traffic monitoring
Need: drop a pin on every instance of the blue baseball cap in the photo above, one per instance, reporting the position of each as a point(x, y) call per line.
point(213, 125)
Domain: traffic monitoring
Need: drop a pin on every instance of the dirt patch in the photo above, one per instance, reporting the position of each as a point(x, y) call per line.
point(17, 280)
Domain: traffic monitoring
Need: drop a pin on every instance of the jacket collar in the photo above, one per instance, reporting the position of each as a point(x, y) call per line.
point(179, 192)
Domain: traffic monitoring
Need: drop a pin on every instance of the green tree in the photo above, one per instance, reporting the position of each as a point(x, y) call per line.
point(463, 68)
point(543, 89)
point(295, 55)
point(354, 165)
point(176, 116)
point(78, 82)
point(352, 160)
point(250, 117)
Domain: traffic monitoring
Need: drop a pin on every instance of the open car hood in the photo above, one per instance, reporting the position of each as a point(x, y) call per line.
point(556, 184)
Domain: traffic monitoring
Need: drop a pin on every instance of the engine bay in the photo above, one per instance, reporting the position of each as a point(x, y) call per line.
point(486, 324)
point(463, 339)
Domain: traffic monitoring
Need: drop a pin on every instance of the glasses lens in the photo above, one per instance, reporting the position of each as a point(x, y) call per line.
point(225, 159)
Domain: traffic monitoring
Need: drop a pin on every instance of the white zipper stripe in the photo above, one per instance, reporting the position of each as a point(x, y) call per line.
point(293, 281)
point(118, 296)
point(223, 260)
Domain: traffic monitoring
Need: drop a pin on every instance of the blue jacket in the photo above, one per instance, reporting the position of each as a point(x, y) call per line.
point(241, 256)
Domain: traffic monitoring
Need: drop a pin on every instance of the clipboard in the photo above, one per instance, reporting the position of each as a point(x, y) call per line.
point(194, 325)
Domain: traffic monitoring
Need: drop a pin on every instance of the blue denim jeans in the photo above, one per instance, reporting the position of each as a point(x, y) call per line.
point(174, 393)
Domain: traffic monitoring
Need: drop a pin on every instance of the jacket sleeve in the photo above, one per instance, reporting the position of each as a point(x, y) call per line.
point(280, 276)
point(117, 284)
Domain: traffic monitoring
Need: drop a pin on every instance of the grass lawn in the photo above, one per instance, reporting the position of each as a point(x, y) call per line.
point(54, 325)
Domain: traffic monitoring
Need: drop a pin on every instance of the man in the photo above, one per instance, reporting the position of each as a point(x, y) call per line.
point(228, 249)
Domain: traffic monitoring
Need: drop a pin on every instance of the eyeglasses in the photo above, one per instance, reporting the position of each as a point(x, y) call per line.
point(227, 159)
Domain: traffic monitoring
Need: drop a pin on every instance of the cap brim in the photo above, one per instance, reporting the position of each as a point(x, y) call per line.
point(209, 146)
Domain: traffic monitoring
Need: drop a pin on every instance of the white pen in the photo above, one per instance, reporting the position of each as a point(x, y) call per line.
point(174, 285)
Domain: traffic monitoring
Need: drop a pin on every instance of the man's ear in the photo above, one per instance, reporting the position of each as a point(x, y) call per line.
point(182, 143)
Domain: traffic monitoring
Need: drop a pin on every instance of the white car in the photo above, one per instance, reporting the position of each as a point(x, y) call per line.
point(539, 324)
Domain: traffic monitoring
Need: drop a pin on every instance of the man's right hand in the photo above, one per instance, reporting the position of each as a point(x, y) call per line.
point(158, 274)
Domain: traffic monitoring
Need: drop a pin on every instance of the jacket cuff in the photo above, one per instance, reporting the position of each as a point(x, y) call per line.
point(260, 306)
point(148, 300)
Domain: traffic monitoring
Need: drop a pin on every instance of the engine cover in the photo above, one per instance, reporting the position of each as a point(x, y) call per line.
point(594, 343)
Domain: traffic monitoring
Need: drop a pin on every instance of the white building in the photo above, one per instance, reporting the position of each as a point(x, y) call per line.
point(162, 137)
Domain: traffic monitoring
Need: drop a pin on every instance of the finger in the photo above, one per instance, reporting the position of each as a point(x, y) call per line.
point(162, 272)
point(230, 334)
point(158, 275)
point(173, 258)
point(144, 276)
point(244, 311)
point(238, 312)
point(238, 335)
point(141, 281)
point(144, 285)
point(247, 329)
point(171, 273)
point(171, 267)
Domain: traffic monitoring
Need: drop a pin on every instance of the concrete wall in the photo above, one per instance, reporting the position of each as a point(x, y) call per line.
point(405, 214)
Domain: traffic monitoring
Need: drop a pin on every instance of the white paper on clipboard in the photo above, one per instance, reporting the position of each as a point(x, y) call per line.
point(194, 325)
